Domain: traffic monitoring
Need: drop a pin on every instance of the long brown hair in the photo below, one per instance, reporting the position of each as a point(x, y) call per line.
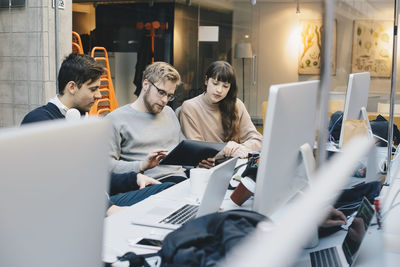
point(224, 72)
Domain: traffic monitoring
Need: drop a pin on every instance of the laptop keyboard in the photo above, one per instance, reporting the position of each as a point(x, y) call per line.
point(325, 258)
point(182, 215)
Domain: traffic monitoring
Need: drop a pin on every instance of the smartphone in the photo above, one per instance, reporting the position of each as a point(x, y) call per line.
point(147, 243)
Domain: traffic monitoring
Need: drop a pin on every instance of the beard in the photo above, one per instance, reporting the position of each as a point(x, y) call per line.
point(152, 108)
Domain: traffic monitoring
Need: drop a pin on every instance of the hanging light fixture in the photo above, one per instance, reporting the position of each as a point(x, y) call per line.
point(297, 7)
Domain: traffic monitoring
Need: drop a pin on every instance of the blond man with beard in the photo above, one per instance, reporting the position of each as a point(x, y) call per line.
point(145, 130)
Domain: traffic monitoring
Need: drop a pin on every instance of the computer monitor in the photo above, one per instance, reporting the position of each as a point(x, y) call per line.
point(278, 244)
point(54, 176)
point(290, 123)
point(356, 98)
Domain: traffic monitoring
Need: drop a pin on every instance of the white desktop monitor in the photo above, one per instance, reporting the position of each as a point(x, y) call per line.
point(54, 176)
point(290, 123)
point(278, 244)
point(356, 98)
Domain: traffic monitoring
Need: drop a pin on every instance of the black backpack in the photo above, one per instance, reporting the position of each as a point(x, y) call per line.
point(335, 125)
point(202, 241)
point(206, 240)
point(379, 127)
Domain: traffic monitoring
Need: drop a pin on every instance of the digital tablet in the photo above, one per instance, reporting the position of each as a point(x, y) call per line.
point(191, 152)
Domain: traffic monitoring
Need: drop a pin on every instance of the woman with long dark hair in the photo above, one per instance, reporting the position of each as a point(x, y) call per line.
point(218, 115)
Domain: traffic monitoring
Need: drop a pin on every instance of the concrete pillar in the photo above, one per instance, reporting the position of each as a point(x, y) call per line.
point(27, 56)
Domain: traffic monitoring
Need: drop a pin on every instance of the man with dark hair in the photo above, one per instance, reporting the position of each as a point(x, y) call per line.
point(79, 81)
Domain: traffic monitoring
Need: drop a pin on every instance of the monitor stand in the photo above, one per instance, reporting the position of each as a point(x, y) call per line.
point(364, 116)
point(308, 160)
point(306, 168)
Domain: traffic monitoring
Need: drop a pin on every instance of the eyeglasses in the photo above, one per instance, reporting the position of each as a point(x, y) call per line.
point(163, 93)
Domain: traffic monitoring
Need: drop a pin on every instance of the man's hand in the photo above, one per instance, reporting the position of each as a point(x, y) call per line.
point(335, 218)
point(153, 159)
point(144, 180)
point(207, 163)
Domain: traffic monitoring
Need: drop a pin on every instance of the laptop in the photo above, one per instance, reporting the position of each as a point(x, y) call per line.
point(173, 213)
point(346, 253)
point(52, 193)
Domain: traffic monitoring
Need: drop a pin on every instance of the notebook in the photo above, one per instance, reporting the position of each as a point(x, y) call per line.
point(171, 213)
point(346, 253)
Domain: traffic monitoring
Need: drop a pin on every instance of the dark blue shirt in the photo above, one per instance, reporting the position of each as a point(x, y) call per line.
point(43, 113)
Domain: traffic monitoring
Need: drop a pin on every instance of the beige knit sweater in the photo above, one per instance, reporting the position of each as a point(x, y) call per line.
point(201, 120)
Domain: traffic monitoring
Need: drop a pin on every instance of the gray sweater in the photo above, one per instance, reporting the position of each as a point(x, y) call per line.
point(136, 134)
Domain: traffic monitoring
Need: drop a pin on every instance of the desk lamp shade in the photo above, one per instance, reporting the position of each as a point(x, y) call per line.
point(243, 50)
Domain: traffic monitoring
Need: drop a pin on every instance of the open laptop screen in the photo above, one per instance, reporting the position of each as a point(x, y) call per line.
point(357, 230)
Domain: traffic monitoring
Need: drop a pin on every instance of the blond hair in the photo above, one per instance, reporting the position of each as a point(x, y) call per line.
point(161, 71)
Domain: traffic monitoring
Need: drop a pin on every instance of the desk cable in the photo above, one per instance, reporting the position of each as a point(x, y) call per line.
point(333, 127)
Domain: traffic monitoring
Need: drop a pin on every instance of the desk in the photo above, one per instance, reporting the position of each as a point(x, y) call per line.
point(118, 230)
point(392, 227)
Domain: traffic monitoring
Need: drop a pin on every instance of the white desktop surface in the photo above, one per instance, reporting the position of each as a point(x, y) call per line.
point(392, 259)
point(118, 231)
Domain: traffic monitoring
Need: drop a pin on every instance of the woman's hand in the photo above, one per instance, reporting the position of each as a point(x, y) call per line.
point(230, 148)
point(233, 149)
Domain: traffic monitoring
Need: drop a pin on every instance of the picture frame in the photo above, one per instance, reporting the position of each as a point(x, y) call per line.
point(372, 47)
point(309, 62)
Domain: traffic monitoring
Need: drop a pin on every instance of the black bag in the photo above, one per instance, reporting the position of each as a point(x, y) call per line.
point(379, 127)
point(335, 125)
point(205, 240)
point(349, 200)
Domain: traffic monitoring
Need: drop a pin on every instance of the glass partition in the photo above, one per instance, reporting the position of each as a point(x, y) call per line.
point(267, 43)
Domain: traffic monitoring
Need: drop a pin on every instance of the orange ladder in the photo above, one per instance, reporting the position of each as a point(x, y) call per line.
point(77, 47)
point(108, 101)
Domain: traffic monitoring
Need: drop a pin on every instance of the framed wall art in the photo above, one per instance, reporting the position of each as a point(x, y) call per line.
point(310, 47)
point(372, 47)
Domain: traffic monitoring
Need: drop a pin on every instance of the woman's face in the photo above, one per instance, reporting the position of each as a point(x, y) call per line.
point(216, 90)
